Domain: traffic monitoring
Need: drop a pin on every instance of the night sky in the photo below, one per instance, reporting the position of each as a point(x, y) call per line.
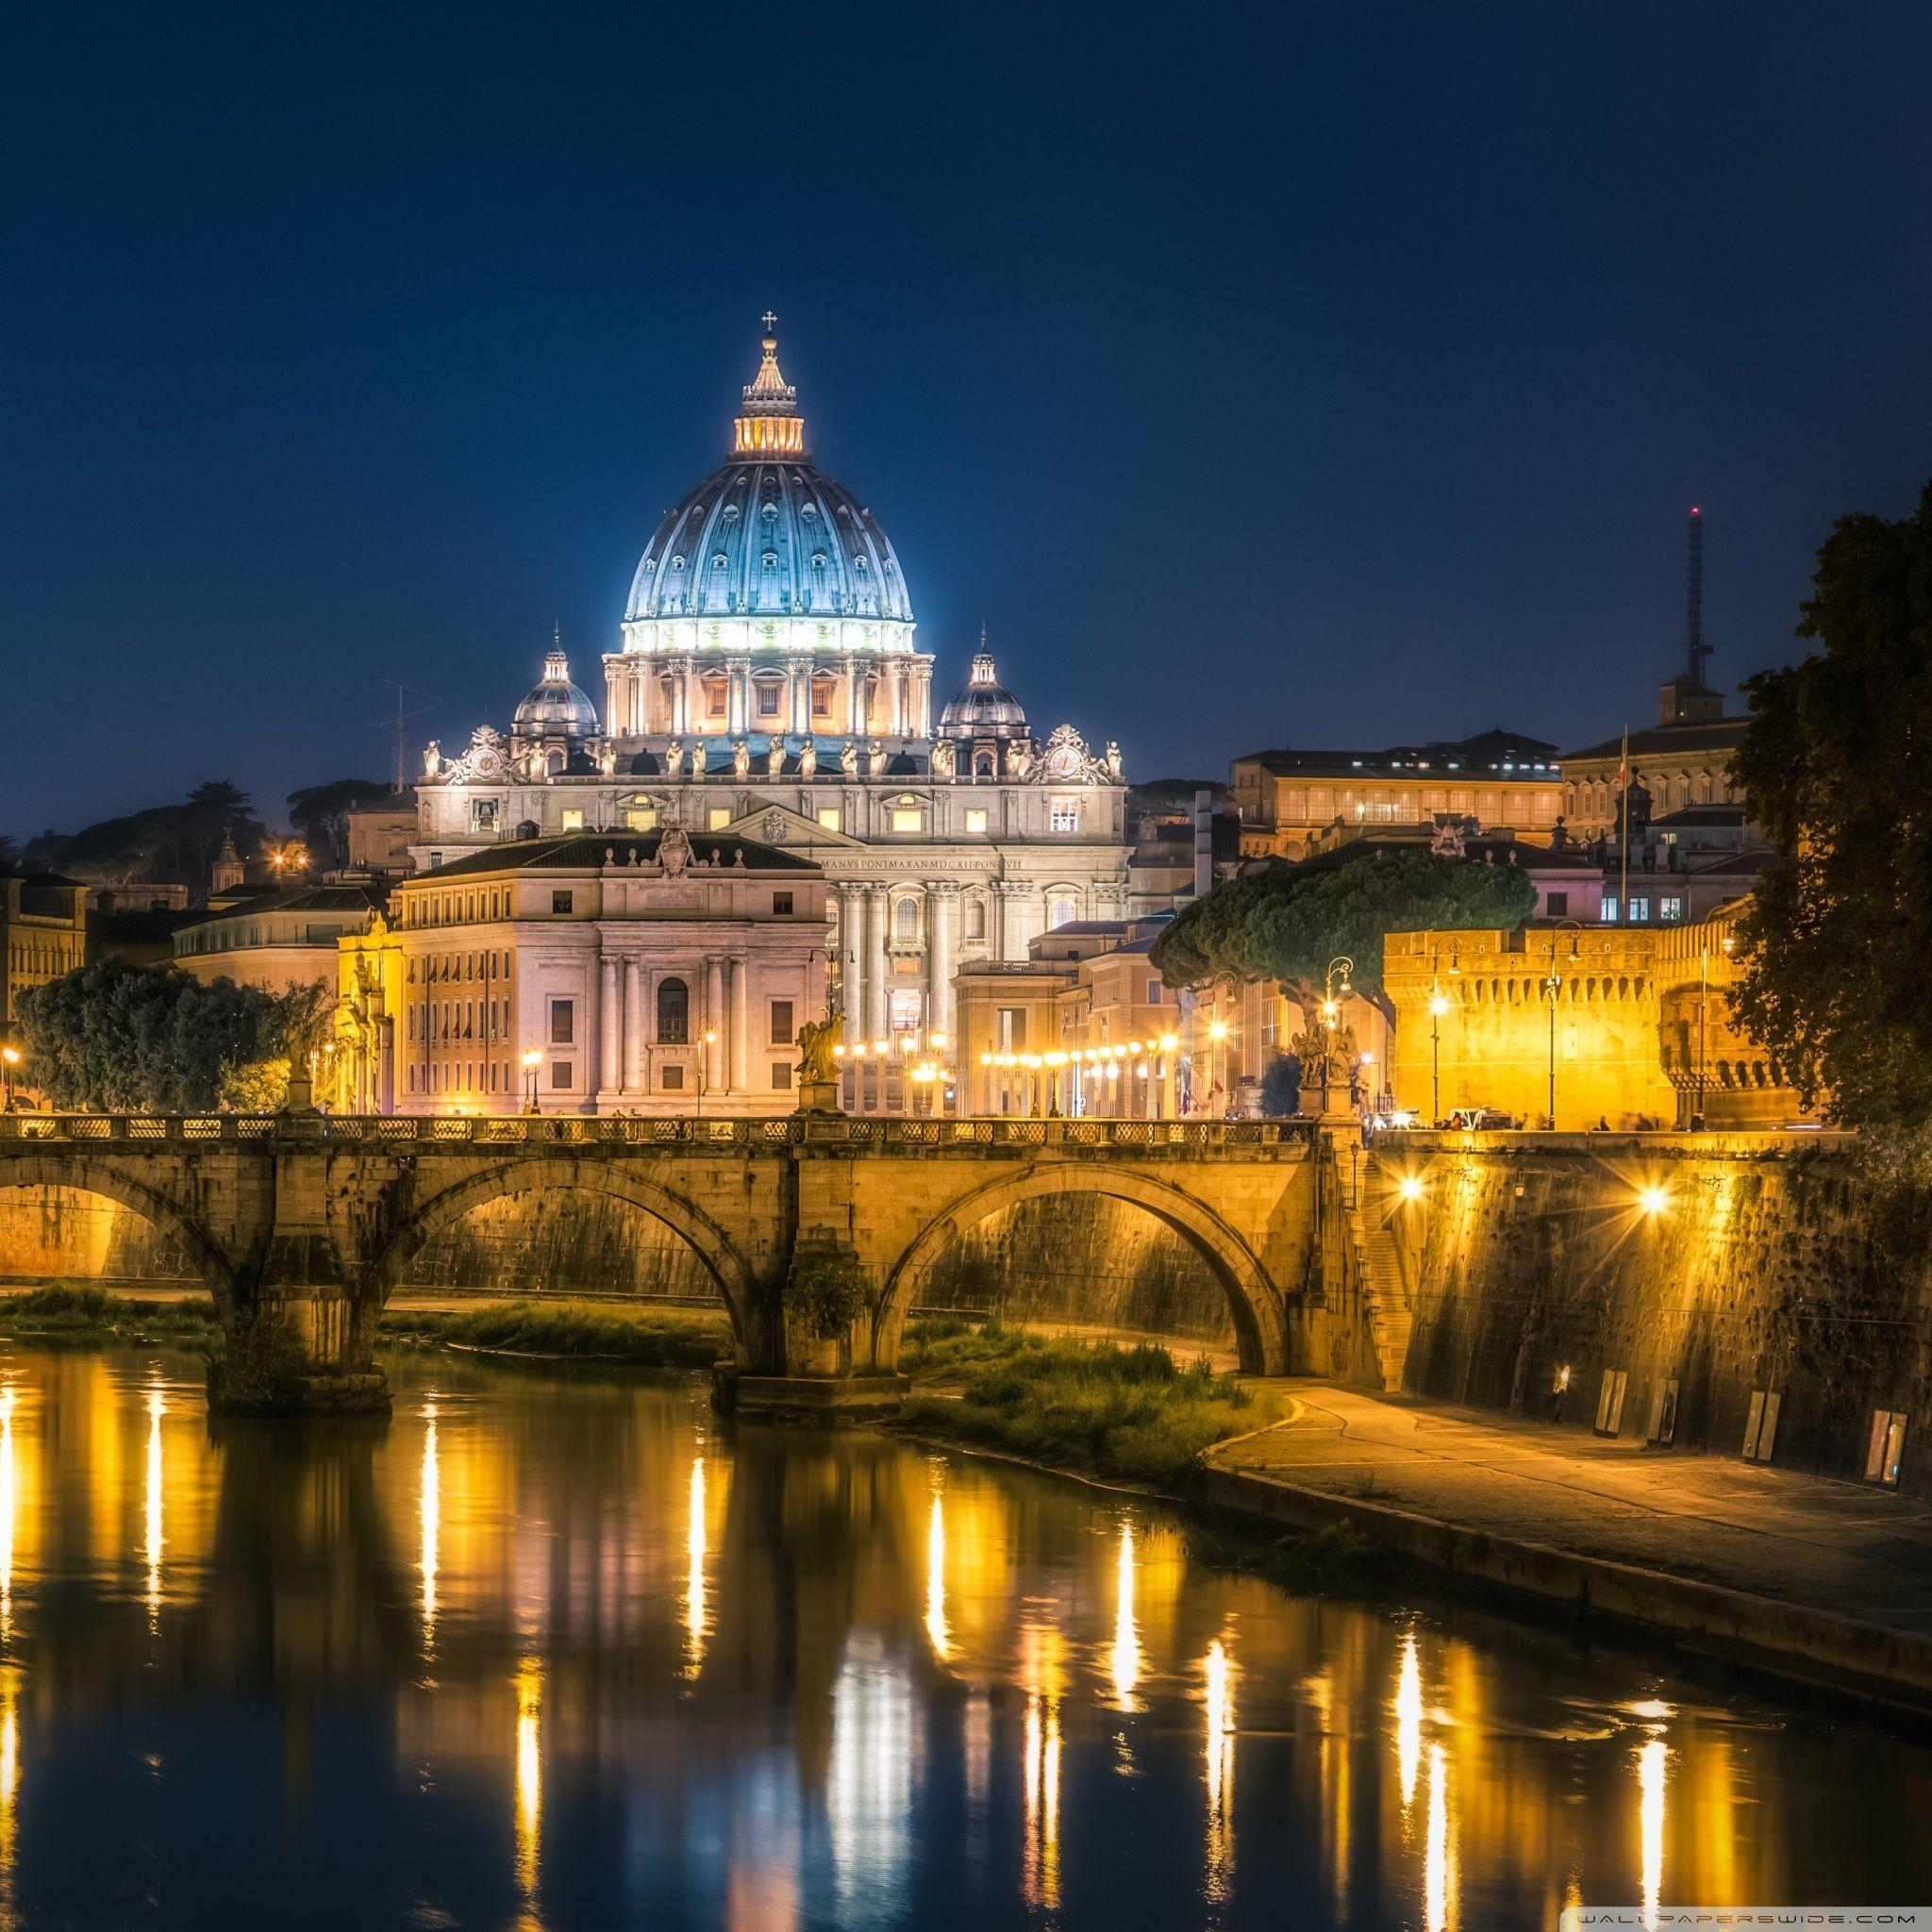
point(1272, 374)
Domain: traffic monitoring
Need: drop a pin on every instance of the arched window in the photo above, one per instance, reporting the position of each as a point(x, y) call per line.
point(982, 764)
point(905, 919)
point(674, 1012)
point(1060, 910)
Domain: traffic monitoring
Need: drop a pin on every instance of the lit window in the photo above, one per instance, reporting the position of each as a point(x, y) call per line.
point(1610, 908)
point(767, 701)
point(1063, 818)
point(718, 818)
point(572, 818)
point(828, 817)
point(905, 919)
point(1670, 908)
point(560, 902)
point(821, 701)
point(975, 820)
point(905, 818)
point(1639, 912)
point(642, 818)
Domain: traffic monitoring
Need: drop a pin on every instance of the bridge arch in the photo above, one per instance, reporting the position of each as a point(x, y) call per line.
point(90, 1174)
point(710, 1242)
point(1261, 1324)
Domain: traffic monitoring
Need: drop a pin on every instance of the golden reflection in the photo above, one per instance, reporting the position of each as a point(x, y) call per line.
point(1438, 1867)
point(9, 1787)
point(10, 1500)
point(1220, 1749)
point(1408, 1718)
point(156, 1408)
point(695, 1614)
point(1044, 1676)
point(936, 1578)
point(432, 1522)
point(529, 1775)
point(1126, 1634)
point(1651, 1769)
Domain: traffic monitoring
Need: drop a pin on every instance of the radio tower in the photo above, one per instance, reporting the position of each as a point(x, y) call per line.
point(1696, 649)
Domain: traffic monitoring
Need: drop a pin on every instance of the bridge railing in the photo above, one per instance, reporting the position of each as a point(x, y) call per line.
point(772, 1132)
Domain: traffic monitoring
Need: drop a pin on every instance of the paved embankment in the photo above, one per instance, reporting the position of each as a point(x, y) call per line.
point(1829, 1577)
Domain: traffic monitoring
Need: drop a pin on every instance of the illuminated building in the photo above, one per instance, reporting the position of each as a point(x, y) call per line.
point(42, 934)
point(768, 687)
point(275, 941)
point(647, 972)
point(1642, 1030)
point(1292, 801)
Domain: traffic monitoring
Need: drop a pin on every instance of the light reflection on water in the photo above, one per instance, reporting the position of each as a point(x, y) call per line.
point(564, 1653)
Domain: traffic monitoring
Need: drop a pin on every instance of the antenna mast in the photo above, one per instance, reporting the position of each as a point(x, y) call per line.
point(1696, 650)
point(398, 764)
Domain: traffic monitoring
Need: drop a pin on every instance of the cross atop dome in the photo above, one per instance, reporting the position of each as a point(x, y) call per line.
point(770, 424)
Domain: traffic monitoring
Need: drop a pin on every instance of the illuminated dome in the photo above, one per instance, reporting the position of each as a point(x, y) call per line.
point(768, 535)
point(986, 708)
point(556, 708)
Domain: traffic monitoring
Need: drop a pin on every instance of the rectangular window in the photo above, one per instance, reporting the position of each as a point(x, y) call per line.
point(828, 817)
point(564, 1021)
point(1555, 904)
point(822, 700)
point(767, 701)
point(559, 1072)
point(714, 700)
point(718, 818)
point(642, 818)
point(560, 902)
point(1669, 908)
point(781, 905)
point(1639, 912)
point(671, 1079)
point(572, 818)
point(1610, 908)
point(782, 1076)
point(975, 819)
point(905, 818)
point(782, 1028)
point(1886, 1449)
point(1154, 992)
point(1063, 818)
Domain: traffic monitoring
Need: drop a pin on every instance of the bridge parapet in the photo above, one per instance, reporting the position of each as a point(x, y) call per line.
point(1254, 1139)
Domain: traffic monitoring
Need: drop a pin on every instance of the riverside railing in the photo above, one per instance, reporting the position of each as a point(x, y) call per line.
point(1256, 1138)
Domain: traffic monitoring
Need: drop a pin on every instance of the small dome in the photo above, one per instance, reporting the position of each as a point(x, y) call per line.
point(556, 708)
point(986, 708)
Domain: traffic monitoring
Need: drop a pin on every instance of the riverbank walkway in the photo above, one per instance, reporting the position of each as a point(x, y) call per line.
point(1837, 1549)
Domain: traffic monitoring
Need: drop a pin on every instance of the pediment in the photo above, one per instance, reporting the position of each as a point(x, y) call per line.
point(772, 823)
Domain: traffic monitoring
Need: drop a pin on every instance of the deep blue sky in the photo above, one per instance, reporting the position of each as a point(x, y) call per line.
point(1337, 375)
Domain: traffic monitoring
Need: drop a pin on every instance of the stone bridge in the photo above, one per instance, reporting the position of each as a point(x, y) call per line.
point(316, 1218)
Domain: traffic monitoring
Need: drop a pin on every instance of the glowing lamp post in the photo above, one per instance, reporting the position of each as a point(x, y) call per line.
point(705, 1043)
point(10, 1058)
point(532, 1059)
point(1335, 989)
point(1553, 985)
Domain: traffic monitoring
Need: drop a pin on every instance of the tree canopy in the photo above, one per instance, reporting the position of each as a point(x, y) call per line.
point(1286, 922)
point(1834, 764)
point(320, 813)
point(129, 1039)
point(164, 841)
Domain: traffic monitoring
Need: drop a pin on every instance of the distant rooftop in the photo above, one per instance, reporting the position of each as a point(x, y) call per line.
point(1507, 753)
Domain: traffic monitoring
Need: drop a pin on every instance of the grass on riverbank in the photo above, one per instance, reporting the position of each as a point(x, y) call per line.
point(71, 1312)
point(570, 1330)
point(1131, 1414)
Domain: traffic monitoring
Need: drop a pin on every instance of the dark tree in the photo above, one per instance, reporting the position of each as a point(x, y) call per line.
point(1281, 1086)
point(165, 842)
point(123, 1038)
point(320, 813)
point(1835, 763)
point(1286, 922)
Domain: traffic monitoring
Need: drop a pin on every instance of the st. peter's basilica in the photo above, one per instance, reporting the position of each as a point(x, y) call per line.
point(768, 686)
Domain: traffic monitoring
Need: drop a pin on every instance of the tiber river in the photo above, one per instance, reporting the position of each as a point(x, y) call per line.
point(565, 1652)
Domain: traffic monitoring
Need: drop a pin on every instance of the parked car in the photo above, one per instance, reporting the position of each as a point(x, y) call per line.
point(1482, 1119)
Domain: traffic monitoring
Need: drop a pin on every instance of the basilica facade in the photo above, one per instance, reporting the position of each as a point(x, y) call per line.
point(769, 688)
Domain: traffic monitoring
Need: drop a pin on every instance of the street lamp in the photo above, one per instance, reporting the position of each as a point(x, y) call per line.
point(532, 1059)
point(1217, 1032)
point(1335, 989)
point(10, 1058)
point(1553, 985)
point(705, 1040)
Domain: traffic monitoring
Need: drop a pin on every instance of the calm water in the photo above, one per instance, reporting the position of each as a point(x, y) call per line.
point(557, 1654)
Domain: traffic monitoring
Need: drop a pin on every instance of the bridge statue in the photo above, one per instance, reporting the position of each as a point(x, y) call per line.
point(818, 1064)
